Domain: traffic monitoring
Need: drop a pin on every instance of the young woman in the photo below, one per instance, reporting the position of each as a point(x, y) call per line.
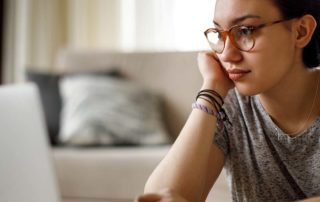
point(263, 66)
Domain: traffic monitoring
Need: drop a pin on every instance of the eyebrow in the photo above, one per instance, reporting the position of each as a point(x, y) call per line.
point(238, 20)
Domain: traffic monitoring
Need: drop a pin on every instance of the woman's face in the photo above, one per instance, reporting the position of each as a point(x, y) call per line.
point(274, 52)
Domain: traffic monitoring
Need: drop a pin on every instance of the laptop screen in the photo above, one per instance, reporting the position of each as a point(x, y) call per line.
point(26, 170)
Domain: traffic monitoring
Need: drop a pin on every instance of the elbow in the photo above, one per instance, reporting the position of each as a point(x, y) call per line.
point(151, 186)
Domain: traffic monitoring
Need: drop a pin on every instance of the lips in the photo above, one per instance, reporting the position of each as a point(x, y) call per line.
point(237, 74)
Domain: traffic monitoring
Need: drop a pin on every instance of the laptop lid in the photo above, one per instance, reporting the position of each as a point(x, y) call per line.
point(26, 170)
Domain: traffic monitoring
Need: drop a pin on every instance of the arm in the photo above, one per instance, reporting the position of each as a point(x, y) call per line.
point(194, 162)
point(187, 166)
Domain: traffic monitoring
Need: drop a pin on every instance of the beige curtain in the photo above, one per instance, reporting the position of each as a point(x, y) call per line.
point(94, 24)
point(46, 32)
point(37, 29)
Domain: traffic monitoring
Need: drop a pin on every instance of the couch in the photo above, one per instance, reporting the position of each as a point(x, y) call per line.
point(118, 174)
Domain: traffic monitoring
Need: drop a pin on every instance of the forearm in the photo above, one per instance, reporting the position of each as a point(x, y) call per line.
point(184, 167)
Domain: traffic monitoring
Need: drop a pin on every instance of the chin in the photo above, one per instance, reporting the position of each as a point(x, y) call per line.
point(247, 90)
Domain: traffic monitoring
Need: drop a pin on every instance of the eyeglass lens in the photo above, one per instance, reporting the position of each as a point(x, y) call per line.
point(241, 37)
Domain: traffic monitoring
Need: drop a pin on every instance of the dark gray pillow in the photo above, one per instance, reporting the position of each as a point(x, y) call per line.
point(51, 101)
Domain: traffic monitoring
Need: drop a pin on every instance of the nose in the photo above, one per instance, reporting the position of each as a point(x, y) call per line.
point(230, 52)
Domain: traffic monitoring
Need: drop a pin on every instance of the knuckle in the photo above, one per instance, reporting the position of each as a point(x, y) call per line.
point(203, 54)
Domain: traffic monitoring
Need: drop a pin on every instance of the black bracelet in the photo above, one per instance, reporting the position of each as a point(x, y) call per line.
point(206, 99)
point(213, 98)
point(213, 93)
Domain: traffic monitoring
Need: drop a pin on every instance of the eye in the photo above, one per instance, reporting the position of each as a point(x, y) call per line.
point(245, 31)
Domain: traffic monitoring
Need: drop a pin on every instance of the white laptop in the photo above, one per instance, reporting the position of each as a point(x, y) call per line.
point(26, 169)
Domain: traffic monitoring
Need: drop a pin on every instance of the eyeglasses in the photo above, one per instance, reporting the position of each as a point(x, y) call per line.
point(242, 37)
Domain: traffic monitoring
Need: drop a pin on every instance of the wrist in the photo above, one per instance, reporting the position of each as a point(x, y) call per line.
point(216, 101)
point(212, 85)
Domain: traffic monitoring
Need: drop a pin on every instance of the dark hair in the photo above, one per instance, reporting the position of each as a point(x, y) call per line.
point(298, 8)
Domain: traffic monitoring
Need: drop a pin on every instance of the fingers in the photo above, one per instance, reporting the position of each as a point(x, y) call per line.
point(209, 64)
point(165, 195)
point(212, 54)
point(148, 198)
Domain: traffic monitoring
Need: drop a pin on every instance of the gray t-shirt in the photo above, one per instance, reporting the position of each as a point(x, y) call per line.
point(253, 171)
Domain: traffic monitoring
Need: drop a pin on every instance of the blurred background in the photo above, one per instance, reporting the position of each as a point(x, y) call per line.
point(34, 31)
point(118, 97)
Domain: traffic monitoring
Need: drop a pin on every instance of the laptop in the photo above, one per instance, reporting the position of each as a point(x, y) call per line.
point(26, 168)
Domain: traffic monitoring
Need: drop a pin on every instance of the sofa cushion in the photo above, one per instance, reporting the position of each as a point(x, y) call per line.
point(99, 110)
point(105, 173)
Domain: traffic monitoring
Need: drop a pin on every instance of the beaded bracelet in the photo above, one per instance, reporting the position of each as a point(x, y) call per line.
point(211, 100)
point(216, 101)
point(205, 109)
point(210, 112)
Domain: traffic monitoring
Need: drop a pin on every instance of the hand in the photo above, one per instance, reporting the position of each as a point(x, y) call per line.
point(213, 74)
point(313, 199)
point(165, 195)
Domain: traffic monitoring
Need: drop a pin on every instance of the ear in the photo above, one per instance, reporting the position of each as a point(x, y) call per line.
point(304, 30)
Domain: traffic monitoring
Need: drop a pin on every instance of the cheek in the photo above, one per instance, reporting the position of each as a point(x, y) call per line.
point(275, 50)
point(268, 65)
point(273, 57)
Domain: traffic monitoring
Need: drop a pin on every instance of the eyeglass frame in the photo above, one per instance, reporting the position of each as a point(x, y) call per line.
point(226, 33)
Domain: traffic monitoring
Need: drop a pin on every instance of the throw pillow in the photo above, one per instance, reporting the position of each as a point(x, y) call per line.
point(48, 84)
point(100, 110)
point(51, 100)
